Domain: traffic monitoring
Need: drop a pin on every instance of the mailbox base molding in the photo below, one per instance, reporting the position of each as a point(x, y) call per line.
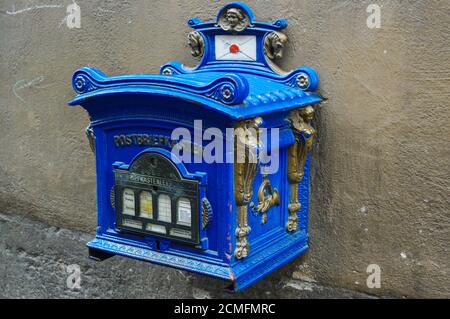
point(242, 274)
point(175, 259)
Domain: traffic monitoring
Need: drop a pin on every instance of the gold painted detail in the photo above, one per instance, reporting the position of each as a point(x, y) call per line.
point(274, 44)
point(246, 144)
point(206, 213)
point(234, 19)
point(303, 81)
point(297, 155)
point(91, 137)
point(197, 44)
point(112, 197)
point(267, 198)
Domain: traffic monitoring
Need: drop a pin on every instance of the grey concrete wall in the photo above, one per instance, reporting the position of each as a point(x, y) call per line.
point(380, 181)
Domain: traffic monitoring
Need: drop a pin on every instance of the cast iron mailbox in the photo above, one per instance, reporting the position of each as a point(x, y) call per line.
point(227, 208)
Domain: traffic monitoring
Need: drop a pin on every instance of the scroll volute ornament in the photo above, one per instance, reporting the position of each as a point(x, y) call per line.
point(297, 155)
point(246, 143)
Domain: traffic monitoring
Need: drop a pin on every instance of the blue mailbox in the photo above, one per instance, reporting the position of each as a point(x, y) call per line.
point(205, 169)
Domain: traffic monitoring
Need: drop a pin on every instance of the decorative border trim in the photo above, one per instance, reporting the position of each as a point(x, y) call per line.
point(221, 272)
point(293, 79)
point(241, 275)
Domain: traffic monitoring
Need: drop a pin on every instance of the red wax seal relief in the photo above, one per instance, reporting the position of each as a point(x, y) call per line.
point(234, 48)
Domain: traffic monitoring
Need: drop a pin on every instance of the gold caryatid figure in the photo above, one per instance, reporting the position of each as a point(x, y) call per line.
point(297, 155)
point(245, 166)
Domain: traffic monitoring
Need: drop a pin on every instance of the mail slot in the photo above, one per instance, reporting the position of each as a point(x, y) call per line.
point(154, 199)
point(205, 169)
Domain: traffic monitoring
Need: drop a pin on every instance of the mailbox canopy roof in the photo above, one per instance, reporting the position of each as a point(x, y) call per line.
point(236, 89)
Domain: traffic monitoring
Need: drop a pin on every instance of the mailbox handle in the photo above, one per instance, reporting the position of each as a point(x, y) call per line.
point(266, 202)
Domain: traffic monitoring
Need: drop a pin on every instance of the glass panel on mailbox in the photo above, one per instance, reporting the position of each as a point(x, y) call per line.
point(146, 205)
point(128, 202)
point(164, 208)
point(184, 212)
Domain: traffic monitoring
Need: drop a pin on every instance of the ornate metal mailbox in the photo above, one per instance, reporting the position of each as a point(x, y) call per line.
point(160, 199)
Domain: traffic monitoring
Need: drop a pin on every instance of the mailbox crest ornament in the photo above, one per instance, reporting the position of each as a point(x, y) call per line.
point(229, 220)
point(233, 18)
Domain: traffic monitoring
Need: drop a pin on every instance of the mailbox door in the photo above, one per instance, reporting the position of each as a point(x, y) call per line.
point(204, 188)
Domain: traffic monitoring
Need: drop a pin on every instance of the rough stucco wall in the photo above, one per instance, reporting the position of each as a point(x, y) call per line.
point(380, 182)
